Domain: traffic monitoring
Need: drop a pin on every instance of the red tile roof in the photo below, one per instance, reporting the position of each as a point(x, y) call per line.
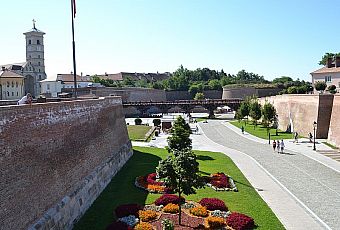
point(325, 69)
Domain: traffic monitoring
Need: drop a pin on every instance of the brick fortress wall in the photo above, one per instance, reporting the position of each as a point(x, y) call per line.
point(56, 158)
point(302, 110)
point(334, 128)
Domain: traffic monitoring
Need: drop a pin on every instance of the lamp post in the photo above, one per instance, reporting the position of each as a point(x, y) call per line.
point(314, 127)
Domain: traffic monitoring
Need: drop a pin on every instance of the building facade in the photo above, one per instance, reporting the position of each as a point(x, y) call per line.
point(51, 88)
point(330, 73)
point(11, 85)
point(33, 69)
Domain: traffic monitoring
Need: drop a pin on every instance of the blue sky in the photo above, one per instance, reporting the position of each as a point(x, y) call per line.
point(270, 38)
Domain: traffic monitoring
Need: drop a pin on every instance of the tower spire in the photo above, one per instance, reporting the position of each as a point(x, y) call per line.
point(33, 23)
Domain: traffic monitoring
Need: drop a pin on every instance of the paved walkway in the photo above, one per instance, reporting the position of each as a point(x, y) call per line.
point(301, 186)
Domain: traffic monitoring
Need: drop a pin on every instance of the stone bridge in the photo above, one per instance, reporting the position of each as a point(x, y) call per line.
point(186, 105)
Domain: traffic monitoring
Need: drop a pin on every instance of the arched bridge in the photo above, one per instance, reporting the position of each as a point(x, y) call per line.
point(186, 105)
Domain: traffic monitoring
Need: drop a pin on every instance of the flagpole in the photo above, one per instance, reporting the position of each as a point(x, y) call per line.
point(74, 51)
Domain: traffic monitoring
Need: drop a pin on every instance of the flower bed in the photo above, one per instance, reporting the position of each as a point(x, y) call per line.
point(127, 209)
point(150, 184)
point(171, 208)
point(221, 182)
point(239, 221)
point(169, 198)
point(118, 225)
point(213, 204)
point(147, 215)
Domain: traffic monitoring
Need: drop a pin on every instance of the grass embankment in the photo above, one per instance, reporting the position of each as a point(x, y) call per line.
point(121, 190)
point(330, 145)
point(138, 132)
point(261, 131)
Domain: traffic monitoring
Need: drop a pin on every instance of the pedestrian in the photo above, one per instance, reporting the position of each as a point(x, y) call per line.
point(25, 99)
point(242, 129)
point(310, 137)
point(278, 146)
point(282, 146)
point(296, 137)
point(274, 145)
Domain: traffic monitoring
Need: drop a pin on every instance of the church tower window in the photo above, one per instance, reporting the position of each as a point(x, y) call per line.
point(38, 56)
point(12, 84)
point(29, 42)
point(39, 63)
point(38, 42)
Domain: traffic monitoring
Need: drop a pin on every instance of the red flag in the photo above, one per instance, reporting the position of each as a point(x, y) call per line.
point(74, 8)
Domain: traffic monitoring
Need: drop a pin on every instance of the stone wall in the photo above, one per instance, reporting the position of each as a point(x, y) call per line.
point(300, 112)
point(243, 92)
point(334, 128)
point(56, 158)
point(185, 95)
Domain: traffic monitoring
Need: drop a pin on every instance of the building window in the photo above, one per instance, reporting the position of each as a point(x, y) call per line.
point(30, 68)
point(12, 84)
point(8, 93)
point(38, 63)
point(38, 42)
point(8, 84)
point(16, 84)
point(328, 78)
point(38, 56)
point(39, 76)
point(48, 86)
point(12, 94)
point(17, 93)
point(29, 42)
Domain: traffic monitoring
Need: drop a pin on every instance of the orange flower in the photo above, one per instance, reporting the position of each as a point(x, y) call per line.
point(143, 226)
point(171, 208)
point(215, 222)
point(147, 215)
point(199, 211)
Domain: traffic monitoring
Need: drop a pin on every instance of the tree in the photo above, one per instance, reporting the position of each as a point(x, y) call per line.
point(268, 115)
point(180, 169)
point(199, 96)
point(292, 90)
point(180, 133)
point(325, 57)
point(255, 111)
point(320, 85)
point(244, 109)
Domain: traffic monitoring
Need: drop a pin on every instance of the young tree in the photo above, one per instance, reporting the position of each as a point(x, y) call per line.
point(180, 136)
point(268, 115)
point(156, 122)
point(255, 111)
point(244, 110)
point(180, 169)
point(332, 89)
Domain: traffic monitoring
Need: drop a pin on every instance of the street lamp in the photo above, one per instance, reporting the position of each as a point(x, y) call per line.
point(314, 127)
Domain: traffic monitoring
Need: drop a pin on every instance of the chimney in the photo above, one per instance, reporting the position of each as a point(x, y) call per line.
point(337, 61)
point(81, 74)
point(3, 68)
point(329, 62)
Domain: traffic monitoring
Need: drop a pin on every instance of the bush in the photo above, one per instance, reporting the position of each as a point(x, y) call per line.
point(147, 215)
point(220, 180)
point(213, 204)
point(215, 222)
point(240, 221)
point(320, 85)
point(118, 225)
point(169, 198)
point(156, 122)
point(143, 226)
point(138, 121)
point(199, 211)
point(171, 208)
point(127, 209)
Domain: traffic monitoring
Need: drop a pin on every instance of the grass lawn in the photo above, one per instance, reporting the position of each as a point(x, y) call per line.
point(330, 145)
point(121, 190)
point(201, 119)
point(137, 132)
point(261, 131)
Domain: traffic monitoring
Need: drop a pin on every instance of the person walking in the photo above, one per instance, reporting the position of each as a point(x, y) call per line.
point(310, 137)
point(296, 137)
point(274, 145)
point(242, 129)
point(282, 146)
point(278, 146)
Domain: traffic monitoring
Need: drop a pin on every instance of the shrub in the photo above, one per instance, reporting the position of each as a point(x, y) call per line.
point(138, 121)
point(127, 209)
point(171, 208)
point(240, 221)
point(169, 198)
point(167, 224)
point(213, 204)
point(220, 180)
point(118, 225)
point(215, 222)
point(199, 211)
point(156, 122)
point(147, 215)
point(143, 226)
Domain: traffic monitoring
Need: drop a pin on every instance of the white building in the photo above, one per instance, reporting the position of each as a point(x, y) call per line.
point(51, 88)
point(330, 73)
